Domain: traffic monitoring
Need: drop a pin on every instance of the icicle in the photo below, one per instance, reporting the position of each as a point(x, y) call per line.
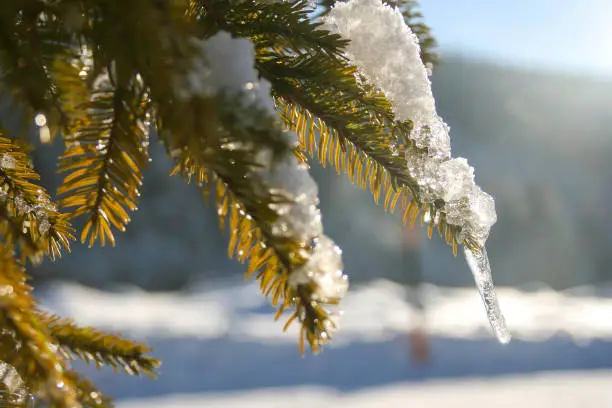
point(481, 269)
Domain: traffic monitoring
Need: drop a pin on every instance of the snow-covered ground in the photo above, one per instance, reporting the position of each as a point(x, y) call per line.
point(222, 348)
point(547, 390)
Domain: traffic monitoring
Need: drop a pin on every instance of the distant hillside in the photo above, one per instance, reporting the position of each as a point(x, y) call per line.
point(540, 142)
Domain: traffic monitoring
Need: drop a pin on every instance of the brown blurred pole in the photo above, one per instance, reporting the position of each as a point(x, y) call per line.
point(413, 280)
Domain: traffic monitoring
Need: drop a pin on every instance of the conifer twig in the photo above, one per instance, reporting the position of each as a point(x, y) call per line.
point(92, 345)
point(35, 358)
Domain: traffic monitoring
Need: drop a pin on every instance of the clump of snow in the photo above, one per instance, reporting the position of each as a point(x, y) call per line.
point(425, 171)
point(324, 268)
point(7, 161)
point(387, 53)
point(224, 64)
point(227, 65)
point(456, 177)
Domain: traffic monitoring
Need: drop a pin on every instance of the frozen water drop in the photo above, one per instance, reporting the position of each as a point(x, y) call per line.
point(478, 262)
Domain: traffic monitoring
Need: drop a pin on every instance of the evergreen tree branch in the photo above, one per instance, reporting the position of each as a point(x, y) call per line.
point(105, 157)
point(28, 219)
point(37, 58)
point(320, 141)
point(281, 25)
point(354, 123)
point(33, 354)
point(87, 393)
point(221, 153)
point(245, 208)
point(91, 345)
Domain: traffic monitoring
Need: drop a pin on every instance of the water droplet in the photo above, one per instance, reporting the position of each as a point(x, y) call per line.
point(40, 120)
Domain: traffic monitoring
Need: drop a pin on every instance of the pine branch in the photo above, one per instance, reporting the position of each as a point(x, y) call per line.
point(245, 208)
point(37, 58)
point(33, 353)
point(221, 153)
point(320, 141)
point(104, 158)
point(88, 395)
point(91, 345)
point(285, 24)
point(355, 128)
point(354, 123)
point(29, 221)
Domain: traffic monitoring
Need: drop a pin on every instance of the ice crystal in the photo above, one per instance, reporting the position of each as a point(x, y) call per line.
point(478, 262)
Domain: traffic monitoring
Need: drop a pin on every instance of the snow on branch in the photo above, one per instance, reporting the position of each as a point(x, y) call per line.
point(387, 54)
point(227, 66)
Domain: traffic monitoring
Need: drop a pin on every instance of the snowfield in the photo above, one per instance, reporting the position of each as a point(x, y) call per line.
point(373, 312)
point(222, 348)
point(554, 390)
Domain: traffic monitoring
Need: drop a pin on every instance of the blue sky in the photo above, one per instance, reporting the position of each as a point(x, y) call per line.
point(566, 35)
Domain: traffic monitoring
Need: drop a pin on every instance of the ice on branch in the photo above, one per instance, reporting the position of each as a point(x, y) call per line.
point(302, 218)
point(478, 262)
point(387, 54)
point(226, 65)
